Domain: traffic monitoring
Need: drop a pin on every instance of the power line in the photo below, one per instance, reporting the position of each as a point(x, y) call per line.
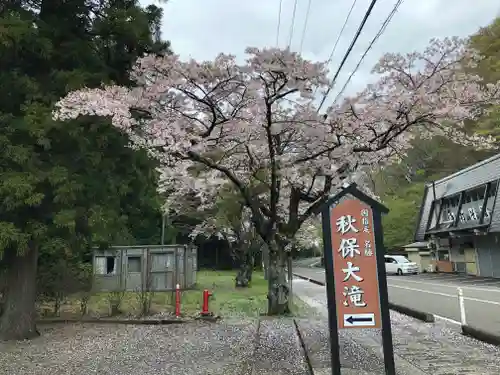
point(341, 32)
point(348, 52)
point(305, 25)
point(338, 39)
point(374, 40)
point(279, 23)
point(293, 23)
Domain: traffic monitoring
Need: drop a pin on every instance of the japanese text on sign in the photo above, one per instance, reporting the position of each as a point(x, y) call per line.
point(355, 267)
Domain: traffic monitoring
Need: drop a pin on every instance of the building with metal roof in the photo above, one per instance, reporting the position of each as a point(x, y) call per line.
point(460, 215)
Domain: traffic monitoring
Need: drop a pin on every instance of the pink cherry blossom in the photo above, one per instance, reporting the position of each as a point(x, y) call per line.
point(256, 126)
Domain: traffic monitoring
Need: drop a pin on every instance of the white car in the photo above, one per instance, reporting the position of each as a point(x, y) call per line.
point(399, 265)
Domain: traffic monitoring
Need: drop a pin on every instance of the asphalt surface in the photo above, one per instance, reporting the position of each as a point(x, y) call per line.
point(307, 262)
point(420, 348)
point(438, 294)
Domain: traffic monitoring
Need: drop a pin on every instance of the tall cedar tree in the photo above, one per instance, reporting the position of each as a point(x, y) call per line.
point(66, 186)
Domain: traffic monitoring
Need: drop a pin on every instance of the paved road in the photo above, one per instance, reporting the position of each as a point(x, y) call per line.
point(437, 294)
point(307, 262)
point(420, 349)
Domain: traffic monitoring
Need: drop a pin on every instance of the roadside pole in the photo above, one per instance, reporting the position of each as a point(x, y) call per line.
point(290, 279)
point(162, 239)
point(463, 319)
point(388, 346)
point(355, 270)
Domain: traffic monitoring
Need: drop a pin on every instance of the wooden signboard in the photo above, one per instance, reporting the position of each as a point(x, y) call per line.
point(355, 265)
point(355, 270)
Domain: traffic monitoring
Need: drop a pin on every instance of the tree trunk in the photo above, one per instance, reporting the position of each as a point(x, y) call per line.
point(265, 261)
point(290, 278)
point(278, 291)
point(18, 321)
point(244, 275)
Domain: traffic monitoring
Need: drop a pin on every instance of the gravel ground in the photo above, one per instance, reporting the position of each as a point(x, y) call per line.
point(279, 350)
point(315, 334)
point(197, 348)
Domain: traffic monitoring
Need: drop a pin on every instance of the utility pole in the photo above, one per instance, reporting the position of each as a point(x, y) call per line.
point(163, 219)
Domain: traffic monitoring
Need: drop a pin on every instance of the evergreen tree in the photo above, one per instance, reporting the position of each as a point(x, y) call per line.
point(67, 186)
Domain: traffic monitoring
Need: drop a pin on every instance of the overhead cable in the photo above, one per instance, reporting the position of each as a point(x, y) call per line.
point(338, 38)
point(341, 32)
point(293, 23)
point(279, 23)
point(348, 52)
point(374, 40)
point(305, 25)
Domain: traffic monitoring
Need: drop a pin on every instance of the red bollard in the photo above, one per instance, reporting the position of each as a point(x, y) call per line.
point(206, 298)
point(177, 300)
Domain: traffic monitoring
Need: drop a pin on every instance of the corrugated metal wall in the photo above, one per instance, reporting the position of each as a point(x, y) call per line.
point(488, 255)
point(157, 268)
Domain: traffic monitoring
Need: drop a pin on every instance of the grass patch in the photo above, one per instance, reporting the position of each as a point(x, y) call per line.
point(99, 306)
point(227, 301)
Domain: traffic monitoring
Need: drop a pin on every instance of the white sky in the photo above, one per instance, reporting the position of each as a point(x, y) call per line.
point(203, 28)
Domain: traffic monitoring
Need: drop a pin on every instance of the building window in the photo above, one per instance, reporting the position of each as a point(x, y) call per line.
point(487, 212)
point(443, 255)
point(134, 264)
point(471, 204)
point(450, 205)
point(474, 195)
point(470, 209)
point(105, 265)
point(472, 214)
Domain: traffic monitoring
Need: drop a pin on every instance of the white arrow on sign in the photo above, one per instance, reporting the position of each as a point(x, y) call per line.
point(359, 320)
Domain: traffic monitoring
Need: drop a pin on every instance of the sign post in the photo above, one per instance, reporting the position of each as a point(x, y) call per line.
point(355, 270)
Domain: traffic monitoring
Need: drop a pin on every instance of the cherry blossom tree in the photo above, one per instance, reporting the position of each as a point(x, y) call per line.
point(230, 219)
point(310, 234)
point(258, 121)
